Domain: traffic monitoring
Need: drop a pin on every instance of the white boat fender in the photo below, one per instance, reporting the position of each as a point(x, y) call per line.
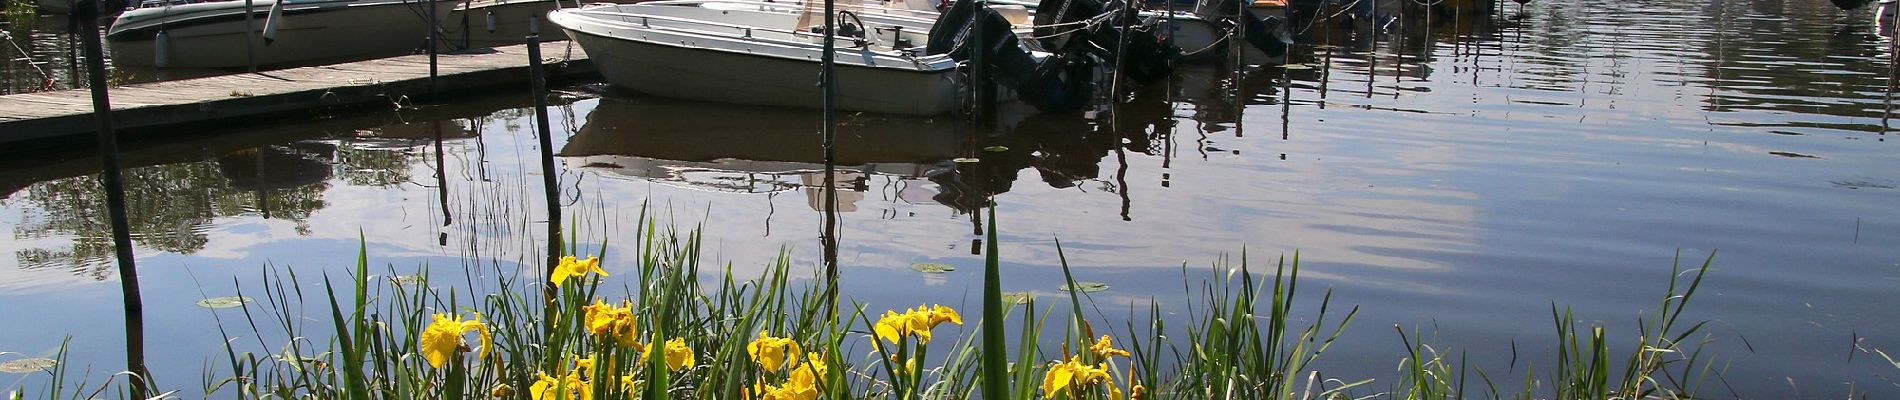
point(272, 20)
point(491, 21)
point(161, 46)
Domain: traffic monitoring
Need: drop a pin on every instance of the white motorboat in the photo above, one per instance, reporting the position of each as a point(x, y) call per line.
point(213, 34)
point(749, 52)
point(490, 23)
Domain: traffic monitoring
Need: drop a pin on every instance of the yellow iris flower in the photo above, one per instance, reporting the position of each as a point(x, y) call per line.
point(1105, 349)
point(802, 385)
point(771, 352)
point(1074, 374)
point(444, 337)
point(571, 268)
point(617, 323)
point(569, 387)
point(915, 322)
point(678, 356)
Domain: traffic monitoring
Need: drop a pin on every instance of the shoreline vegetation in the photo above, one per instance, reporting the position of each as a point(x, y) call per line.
point(673, 336)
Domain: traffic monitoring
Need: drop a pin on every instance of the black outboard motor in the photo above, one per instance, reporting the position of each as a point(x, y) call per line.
point(1266, 33)
point(1147, 55)
point(1852, 4)
point(1058, 83)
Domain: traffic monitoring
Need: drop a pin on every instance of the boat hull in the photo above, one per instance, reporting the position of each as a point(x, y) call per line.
point(303, 37)
point(468, 25)
point(719, 76)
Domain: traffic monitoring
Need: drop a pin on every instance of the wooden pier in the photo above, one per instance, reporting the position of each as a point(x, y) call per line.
point(139, 108)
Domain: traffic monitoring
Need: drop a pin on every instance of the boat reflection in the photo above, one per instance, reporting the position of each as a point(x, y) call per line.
point(944, 161)
point(757, 149)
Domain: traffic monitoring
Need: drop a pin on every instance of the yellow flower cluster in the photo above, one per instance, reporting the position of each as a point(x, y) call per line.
point(617, 323)
point(678, 356)
point(1105, 349)
point(569, 387)
point(1070, 376)
point(771, 352)
point(801, 385)
point(915, 322)
point(572, 268)
point(444, 337)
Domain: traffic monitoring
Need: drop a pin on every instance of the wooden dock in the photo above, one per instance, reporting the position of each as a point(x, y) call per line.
point(138, 108)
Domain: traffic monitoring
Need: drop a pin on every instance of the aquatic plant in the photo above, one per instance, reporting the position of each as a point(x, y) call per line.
point(668, 335)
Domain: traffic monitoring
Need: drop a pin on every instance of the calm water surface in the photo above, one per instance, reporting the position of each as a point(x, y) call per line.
point(1458, 180)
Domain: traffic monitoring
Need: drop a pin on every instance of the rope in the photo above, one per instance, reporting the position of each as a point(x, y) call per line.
point(1210, 46)
point(1085, 24)
point(47, 83)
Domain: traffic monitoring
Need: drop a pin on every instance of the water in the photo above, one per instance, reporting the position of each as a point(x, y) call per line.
point(1460, 181)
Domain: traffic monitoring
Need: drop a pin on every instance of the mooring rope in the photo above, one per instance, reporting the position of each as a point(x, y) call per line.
point(47, 79)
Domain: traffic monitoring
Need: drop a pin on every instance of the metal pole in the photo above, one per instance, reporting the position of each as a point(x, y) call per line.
point(250, 36)
point(827, 99)
point(115, 199)
point(538, 85)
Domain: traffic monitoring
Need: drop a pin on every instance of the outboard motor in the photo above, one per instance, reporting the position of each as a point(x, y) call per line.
point(1146, 55)
point(1843, 4)
point(1057, 83)
point(1266, 33)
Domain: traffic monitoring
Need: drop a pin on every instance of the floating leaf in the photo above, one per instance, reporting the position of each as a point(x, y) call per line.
point(965, 160)
point(224, 302)
point(932, 268)
point(996, 149)
point(1087, 287)
point(27, 365)
point(406, 279)
point(1018, 297)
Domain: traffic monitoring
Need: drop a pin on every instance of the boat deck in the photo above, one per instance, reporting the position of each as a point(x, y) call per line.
point(137, 108)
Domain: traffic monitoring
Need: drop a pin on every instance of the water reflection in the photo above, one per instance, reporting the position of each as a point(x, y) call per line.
point(178, 190)
point(770, 150)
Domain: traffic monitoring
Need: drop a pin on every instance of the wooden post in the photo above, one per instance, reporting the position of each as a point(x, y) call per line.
point(979, 69)
point(250, 36)
point(549, 177)
point(434, 29)
point(110, 177)
point(826, 88)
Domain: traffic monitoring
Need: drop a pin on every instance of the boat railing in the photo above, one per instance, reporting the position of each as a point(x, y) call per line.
point(646, 21)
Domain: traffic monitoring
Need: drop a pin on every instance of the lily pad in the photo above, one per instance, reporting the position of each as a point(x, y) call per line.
point(406, 279)
point(996, 149)
point(932, 268)
point(224, 302)
point(965, 160)
point(1018, 297)
point(27, 365)
point(1086, 287)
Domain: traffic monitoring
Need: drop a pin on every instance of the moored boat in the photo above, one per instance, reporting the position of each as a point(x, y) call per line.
point(763, 53)
point(213, 34)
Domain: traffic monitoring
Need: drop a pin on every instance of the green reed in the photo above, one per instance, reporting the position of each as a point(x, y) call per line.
point(675, 333)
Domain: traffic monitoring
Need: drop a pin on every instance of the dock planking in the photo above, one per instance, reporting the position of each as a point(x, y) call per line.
point(138, 108)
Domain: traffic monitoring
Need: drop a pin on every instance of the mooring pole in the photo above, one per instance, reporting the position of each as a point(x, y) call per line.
point(250, 36)
point(826, 103)
point(88, 11)
point(979, 69)
point(549, 179)
point(434, 30)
